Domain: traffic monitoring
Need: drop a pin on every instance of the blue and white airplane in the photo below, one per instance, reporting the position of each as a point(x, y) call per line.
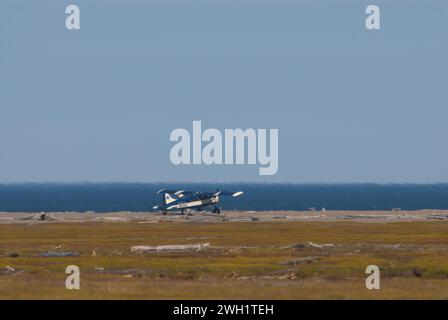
point(186, 201)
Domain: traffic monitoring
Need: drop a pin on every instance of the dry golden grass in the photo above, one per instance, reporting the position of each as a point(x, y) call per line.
point(246, 260)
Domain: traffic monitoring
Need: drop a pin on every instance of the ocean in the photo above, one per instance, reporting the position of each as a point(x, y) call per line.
point(113, 197)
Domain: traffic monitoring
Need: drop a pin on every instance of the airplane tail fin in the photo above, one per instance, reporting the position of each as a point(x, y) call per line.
point(167, 198)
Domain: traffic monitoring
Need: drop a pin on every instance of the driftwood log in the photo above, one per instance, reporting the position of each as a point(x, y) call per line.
point(175, 247)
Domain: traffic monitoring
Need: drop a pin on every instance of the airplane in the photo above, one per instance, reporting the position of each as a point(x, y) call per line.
point(186, 201)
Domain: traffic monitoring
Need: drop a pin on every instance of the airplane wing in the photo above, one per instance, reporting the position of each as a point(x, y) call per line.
point(166, 191)
point(186, 192)
point(229, 193)
point(176, 192)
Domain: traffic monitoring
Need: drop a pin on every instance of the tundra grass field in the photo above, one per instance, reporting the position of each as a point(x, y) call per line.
point(244, 260)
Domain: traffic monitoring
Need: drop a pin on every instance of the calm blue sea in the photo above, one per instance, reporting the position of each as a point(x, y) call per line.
point(141, 197)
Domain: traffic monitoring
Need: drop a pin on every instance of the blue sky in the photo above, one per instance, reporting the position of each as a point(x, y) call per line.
point(98, 104)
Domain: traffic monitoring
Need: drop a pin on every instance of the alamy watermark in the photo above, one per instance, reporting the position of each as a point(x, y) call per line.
point(373, 280)
point(228, 148)
point(72, 282)
point(73, 20)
